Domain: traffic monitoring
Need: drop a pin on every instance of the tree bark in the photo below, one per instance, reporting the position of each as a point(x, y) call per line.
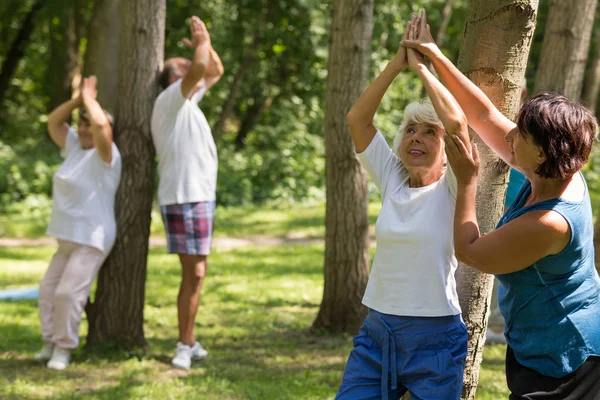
point(493, 55)
point(346, 220)
point(591, 89)
point(117, 314)
point(102, 52)
point(565, 47)
point(17, 49)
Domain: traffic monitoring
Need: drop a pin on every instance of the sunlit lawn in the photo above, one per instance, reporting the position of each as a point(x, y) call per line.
point(258, 305)
point(299, 221)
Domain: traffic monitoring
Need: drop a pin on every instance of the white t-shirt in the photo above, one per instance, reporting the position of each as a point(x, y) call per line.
point(83, 193)
point(187, 155)
point(414, 265)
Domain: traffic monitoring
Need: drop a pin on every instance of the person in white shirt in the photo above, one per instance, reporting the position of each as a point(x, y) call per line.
point(413, 338)
point(83, 220)
point(187, 169)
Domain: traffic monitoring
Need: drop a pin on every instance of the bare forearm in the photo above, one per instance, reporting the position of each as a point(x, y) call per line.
point(363, 111)
point(200, 61)
point(450, 113)
point(95, 113)
point(472, 99)
point(62, 113)
point(215, 64)
point(466, 230)
point(100, 127)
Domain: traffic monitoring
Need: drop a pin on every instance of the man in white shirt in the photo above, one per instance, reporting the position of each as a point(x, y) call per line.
point(187, 170)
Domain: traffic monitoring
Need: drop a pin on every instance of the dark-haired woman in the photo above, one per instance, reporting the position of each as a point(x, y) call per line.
point(542, 250)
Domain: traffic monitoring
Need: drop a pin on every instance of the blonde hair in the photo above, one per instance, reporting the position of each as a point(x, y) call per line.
point(421, 111)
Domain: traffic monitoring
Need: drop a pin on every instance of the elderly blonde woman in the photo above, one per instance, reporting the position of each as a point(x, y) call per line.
point(83, 220)
point(413, 338)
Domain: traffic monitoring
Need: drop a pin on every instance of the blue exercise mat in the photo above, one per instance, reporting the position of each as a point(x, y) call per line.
point(19, 294)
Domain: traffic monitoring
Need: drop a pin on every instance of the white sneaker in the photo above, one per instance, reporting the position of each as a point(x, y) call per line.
point(45, 354)
point(183, 356)
point(60, 358)
point(493, 337)
point(198, 352)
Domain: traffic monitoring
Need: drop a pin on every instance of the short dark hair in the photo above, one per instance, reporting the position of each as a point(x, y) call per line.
point(164, 79)
point(176, 66)
point(565, 131)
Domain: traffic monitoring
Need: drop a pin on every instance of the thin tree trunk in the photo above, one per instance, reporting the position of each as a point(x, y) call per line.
point(117, 314)
point(439, 38)
point(446, 16)
point(236, 88)
point(346, 221)
point(102, 52)
point(251, 118)
point(591, 89)
point(493, 55)
point(17, 49)
point(565, 47)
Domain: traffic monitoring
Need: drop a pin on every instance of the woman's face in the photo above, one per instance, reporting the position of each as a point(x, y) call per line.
point(422, 147)
point(524, 152)
point(84, 131)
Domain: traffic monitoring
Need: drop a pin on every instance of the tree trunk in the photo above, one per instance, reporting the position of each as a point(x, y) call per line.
point(236, 88)
point(102, 52)
point(17, 49)
point(493, 55)
point(65, 37)
point(117, 314)
point(446, 15)
point(253, 114)
point(565, 47)
point(346, 221)
point(591, 89)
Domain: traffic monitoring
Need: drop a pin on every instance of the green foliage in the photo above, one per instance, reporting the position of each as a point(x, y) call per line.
point(282, 45)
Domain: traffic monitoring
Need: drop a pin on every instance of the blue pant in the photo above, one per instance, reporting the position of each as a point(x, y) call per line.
point(393, 354)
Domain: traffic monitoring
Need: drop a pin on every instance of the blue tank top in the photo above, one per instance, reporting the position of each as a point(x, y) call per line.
point(552, 308)
point(515, 182)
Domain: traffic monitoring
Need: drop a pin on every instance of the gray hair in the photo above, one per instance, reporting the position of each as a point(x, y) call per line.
point(420, 112)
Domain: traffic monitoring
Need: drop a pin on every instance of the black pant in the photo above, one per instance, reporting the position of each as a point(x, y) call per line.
point(527, 384)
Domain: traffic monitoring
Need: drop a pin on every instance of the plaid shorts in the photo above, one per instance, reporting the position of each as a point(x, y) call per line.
point(189, 227)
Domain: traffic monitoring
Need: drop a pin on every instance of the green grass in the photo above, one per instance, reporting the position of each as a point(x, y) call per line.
point(299, 221)
point(256, 308)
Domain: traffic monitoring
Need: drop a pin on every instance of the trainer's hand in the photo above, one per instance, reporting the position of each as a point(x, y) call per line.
point(199, 34)
point(422, 41)
point(415, 58)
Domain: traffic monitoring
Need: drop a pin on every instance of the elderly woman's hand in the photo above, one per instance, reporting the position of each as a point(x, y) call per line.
point(423, 41)
point(414, 57)
point(465, 164)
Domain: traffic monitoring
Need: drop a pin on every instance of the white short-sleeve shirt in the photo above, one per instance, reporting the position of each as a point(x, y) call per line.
point(187, 155)
point(83, 194)
point(414, 265)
